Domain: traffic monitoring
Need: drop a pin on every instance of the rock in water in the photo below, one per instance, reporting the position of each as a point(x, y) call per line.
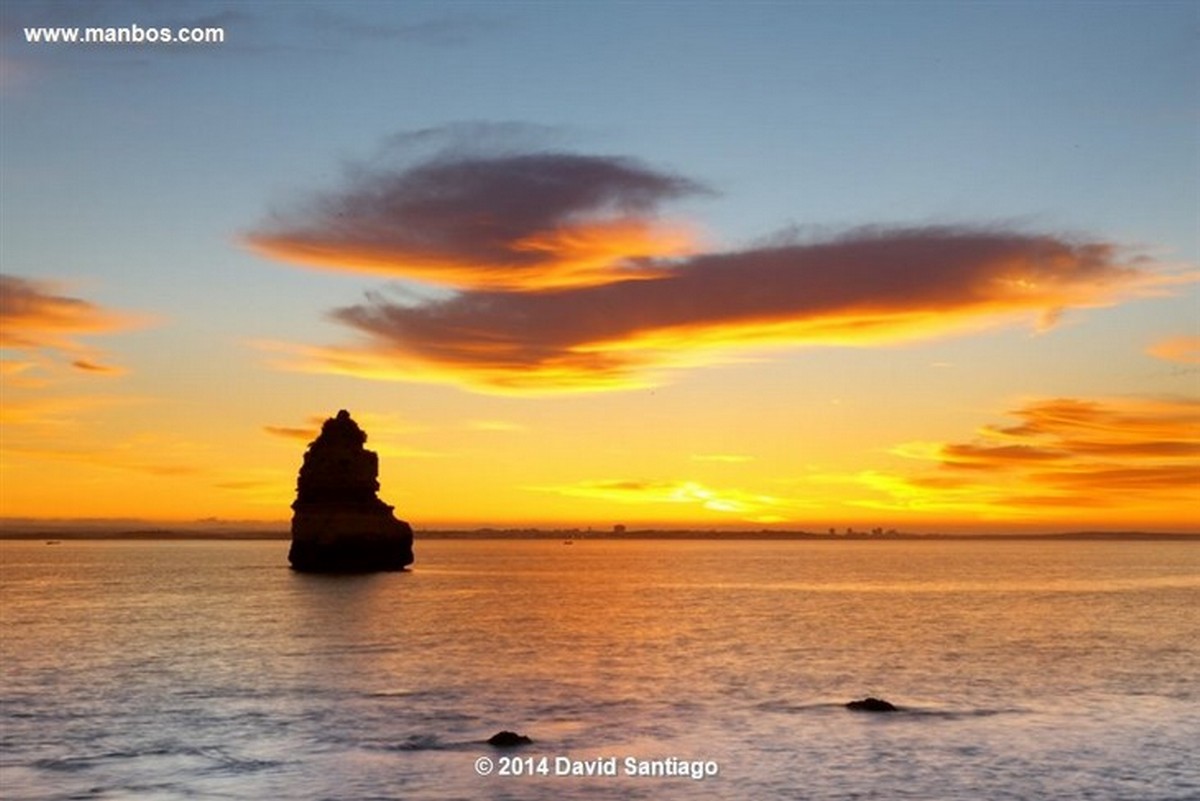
point(339, 524)
point(872, 705)
point(508, 739)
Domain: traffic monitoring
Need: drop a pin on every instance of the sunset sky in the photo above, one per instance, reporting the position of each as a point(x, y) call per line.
point(927, 266)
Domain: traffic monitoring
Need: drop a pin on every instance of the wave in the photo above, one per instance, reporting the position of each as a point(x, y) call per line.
point(421, 742)
point(432, 742)
point(218, 759)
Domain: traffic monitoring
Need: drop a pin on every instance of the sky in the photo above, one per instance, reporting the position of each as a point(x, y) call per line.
point(927, 266)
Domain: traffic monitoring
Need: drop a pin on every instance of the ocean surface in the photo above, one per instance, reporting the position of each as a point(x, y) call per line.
point(209, 670)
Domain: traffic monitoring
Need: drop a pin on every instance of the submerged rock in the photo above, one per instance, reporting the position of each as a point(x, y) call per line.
point(508, 739)
point(339, 524)
point(872, 705)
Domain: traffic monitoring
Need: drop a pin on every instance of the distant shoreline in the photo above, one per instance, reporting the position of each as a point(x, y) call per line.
point(50, 532)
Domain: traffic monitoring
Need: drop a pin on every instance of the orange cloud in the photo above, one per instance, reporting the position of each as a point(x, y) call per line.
point(35, 316)
point(1185, 349)
point(526, 221)
point(1067, 454)
point(92, 367)
point(288, 432)
point(869, 287)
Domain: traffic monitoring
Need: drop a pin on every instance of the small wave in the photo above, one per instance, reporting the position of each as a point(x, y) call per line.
point(789, 709)
point(963, 714)
point(71, 764)
point(220, 760)
point(160, 789)
point(420, 742)
point(441, 717)
point(408, 694)
point(223, 761)
point(393, 694)
point(63, 764)
point(431, 742)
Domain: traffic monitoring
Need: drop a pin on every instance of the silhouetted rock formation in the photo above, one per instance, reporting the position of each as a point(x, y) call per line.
point(508, 739)
point(339, 525)
point(872, 705)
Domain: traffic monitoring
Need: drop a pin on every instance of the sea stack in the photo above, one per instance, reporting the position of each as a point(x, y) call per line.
point(339, 524)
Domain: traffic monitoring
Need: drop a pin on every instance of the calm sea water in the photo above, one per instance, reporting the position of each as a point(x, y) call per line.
point(202, 670)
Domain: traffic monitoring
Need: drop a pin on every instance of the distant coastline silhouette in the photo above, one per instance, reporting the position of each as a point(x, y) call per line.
point(339, 524)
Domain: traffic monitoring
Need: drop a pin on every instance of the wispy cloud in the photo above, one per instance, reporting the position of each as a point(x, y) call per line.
point(290, 432)
point(1184, 349)
point(124, 457)
point(36, 316)
point(51, 413)
point(265, 488)
point(1065, 454)
point(88, 366)
point(21, 373)
point(739, 503)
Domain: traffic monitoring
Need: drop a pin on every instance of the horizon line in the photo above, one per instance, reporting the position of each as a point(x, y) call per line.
point(93, 530)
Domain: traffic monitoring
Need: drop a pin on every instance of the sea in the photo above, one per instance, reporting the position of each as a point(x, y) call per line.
point(1024, 670)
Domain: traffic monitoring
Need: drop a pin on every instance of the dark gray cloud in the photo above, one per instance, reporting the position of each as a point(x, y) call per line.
point(513, 221)
point(870, 286)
